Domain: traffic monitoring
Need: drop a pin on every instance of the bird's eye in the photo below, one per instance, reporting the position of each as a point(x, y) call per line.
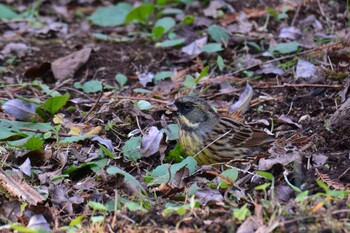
point(187, 106)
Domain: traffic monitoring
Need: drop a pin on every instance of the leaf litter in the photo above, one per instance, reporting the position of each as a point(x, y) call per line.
point(299, 94)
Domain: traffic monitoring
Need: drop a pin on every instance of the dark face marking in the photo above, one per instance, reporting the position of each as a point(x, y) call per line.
point(196, 110)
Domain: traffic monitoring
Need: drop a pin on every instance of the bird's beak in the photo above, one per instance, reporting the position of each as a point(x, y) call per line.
point(171, 106)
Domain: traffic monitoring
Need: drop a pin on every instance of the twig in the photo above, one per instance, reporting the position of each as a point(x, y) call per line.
point(304, 85)
point(284, 57)
point(94, 106)
point(44, 131)
point(296, 14)
point(343, 174)
point(142, 98)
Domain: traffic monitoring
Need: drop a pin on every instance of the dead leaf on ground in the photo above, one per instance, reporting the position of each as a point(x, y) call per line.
point(284, 119)
point(306, 72)
point(150, 142)
point(16, 187)
point(65, 67)
point(279, 155)
point(210, 197)
point(21, 110)
point(17, 49)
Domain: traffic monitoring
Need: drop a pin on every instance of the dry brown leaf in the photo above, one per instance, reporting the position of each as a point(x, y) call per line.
point(18, 188)
point(65, 67)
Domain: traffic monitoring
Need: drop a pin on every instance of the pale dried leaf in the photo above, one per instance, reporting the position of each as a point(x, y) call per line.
point(26, 167)
point(150, 142)
point(210, 197)
point(212, 9)
point(291, 33)
point(242, 105)
point(146, 78)
point(284, 119)
point(65, 67)
point(306, 72)
point(279, 155)
point(195, 48)
point(20, 109)
point(37, 222)
point(17, 49)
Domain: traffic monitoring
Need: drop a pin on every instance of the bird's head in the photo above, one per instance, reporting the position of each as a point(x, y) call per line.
point(193, 113)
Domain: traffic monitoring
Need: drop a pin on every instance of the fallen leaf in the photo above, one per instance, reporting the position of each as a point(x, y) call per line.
point(284, 119)
point(195, 48)
point(242, 105)
point(279, 155)
point(306, 72)
point(210, 197)
point(212, 9)
point(145, 78)
point(150, 142)
point(291, 33)
point(65, 67)
point(26, 167)
point(38, 222)
point(21, 110)
point(15, 186)
point(17, 49)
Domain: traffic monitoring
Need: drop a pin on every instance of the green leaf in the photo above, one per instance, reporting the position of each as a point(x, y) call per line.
point(161, 173)
point(22, 229)
point(143, 105)
point(218, 34)
point(162, 26)
point(95, 166)
point(176, 155)
point(241, 213)
point(7, 13)
point(229, 174)
point(97, 206)
point(285, 48)
point(189, 19)
point(54, 104)
point(167, 23)
point(202, 74)
point(302, 196)
point(212, 48)
point(323, 186)
point(263, 186)
point(34, 143)
point(77, 221)
point(141, 90)
point(265, 174)
point(131, 149)
point(107, 152)
point(162, 75)
point(220, 63)
point(193, 189)
point(111, 15)
point(92, 86)
point(172, 132)
point(140, 13)
point(121, 79)
point(97, 219)
point(272, 12)
point(189, 82)
point(46, 88)
point(170, 43)
point(115, 170)
point(72, 139)
point(157, 32)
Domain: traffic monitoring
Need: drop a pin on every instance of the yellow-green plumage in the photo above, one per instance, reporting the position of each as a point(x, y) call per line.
point(213, 139)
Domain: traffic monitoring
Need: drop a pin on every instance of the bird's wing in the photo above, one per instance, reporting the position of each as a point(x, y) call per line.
point(236, 133)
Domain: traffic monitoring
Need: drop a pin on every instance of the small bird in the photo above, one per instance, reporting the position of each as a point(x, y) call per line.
point(211, 138)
